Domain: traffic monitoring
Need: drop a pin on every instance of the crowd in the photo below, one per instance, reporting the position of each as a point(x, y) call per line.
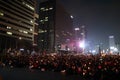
point(95, 67)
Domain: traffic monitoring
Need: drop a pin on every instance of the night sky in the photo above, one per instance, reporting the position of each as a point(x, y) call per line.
point(101, 18)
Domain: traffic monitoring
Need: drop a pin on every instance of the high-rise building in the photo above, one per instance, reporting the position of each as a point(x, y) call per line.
point(17, 23)
point(111, 43)
point(55, 26)
point(80, 38)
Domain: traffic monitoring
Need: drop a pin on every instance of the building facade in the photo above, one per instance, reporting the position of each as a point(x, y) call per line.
point(17, 23)
point(112, 46)
point(55, 26)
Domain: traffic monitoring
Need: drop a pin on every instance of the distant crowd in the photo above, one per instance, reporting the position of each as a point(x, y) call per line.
point(91, 67)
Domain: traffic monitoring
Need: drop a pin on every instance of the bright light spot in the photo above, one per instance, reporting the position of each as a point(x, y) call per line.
point(111, 47)
point(71, 16)
point(31, 29)
point(41, 20)
point(82, 44)
point(115, 49)
point(68, 49)
point(111, 36)
point(103, 51)
point(20, 38)
point(8, 27)
point(10, 33)
point(76, 29)
point(21, 49)
point(93, 51)
point(50, 8)
point(25, 32)
point(1, 14)
point(31, 21)
point(42, 8)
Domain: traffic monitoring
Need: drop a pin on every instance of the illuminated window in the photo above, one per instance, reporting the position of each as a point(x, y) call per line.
point(41, 20)
point(50, 8)
point(25, 32)
point(29, 6)
point(8, 27)
point(31, 21)
point(20, 31)
point(20, 38)
point(1, 14)
point(10, 33)
point(42, 31)
point(31, 29)
point(46, 19)
point(46, 9)
point(42, 8)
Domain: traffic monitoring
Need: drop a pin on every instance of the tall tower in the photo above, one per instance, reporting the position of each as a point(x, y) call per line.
point(55, 25)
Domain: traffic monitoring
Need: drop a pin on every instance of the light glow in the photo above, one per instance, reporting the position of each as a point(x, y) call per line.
point(50, 8)
point(93, 51)
point(10, 33)
point(115, 49)
point(82, 44)
point(71, 16)
point(76, 29)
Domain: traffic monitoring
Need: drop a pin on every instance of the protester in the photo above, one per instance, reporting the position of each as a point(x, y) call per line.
point(95, 67)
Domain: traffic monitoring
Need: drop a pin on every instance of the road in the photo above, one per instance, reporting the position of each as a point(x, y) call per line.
point(26, 74)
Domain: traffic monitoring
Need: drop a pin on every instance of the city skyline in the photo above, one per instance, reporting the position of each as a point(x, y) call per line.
point(101, 18)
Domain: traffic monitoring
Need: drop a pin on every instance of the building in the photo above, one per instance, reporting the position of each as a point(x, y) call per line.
point(80, 38)
point(112, 45)
point(17, 24)
point(55, 26)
